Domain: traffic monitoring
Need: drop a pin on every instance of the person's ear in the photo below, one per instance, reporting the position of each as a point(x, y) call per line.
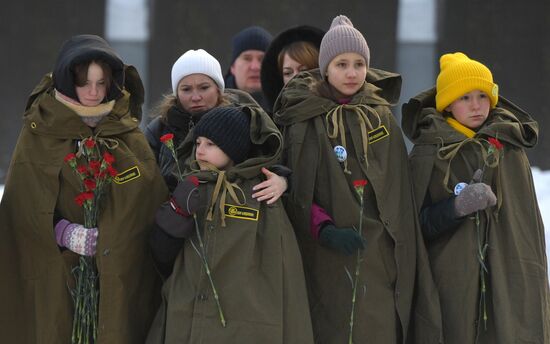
point(232, 70)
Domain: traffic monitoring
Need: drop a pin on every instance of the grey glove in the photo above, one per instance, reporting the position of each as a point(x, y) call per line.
point(474, 197)
point(174, 217)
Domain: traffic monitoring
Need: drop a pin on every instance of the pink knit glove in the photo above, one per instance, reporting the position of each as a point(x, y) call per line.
point(76, 237)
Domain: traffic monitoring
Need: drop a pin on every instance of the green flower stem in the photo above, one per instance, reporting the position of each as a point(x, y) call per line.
point(356, 276)
point(202, 255)
point(176, 160)
point(482, 248)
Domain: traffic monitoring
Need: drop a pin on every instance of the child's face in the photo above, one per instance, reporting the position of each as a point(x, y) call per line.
point(346, 73)
point(208, 152)
point(472, 109)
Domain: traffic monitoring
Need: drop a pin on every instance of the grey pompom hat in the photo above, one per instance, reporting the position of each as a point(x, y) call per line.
point(341, 38)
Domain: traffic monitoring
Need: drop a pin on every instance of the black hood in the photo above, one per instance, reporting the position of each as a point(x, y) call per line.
point(81, 49)
point(272, 80)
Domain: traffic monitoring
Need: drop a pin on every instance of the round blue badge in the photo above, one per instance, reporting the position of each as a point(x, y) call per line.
point(341, 153)
point(459, 187)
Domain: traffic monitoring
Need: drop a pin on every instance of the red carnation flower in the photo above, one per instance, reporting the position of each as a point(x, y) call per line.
point(194, 180)
point(90, 184)
point(496, 143)
point(166, 137)
point(70, 157)
point(83, 197)
point(90, 143)
point(108, 158)
point(95, 165)
point(359, 183)
point(82, 169)
point(112, 172)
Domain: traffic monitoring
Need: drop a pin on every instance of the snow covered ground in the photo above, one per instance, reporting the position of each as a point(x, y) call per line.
point(542, 187)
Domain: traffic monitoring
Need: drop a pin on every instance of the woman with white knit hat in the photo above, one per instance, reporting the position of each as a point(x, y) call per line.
point(197, 87)
point(349, 160)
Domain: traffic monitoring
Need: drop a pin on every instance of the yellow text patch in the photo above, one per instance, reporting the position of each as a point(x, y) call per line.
point(239, 212)
point(128, 175)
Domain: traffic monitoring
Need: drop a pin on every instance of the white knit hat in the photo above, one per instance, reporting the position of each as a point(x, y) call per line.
point(196, 62)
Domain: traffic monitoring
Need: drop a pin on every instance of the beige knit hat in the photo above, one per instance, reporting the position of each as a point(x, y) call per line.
point(341, 38)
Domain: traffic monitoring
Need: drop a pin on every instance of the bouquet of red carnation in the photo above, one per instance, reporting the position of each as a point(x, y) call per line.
point(95, 172)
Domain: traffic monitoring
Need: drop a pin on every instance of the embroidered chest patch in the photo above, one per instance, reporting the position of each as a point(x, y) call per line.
point(238, 212)
point(128, 175)
point(378, 134)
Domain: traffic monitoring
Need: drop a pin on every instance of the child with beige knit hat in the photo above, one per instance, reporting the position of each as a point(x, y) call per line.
point(478, 210)
point(341, 137)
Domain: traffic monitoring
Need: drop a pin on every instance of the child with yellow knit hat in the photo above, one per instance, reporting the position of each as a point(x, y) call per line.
point(477, 207)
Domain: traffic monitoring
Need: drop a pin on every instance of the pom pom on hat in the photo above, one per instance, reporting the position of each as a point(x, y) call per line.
point(229, 129)
point(197, 62)
point(459, 75)
point(341, 38)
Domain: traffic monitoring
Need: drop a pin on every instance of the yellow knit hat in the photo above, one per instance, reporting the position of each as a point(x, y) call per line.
point(459, 75)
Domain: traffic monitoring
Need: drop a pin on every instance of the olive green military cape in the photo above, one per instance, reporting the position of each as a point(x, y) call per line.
point(35, 274)
point(255, 260)
point(517, 283)
point(390, 259)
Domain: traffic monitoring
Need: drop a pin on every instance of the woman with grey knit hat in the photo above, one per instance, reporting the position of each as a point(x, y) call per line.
point(351, 204)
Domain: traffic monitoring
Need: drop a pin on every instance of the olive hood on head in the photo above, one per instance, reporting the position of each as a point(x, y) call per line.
point(81, 49)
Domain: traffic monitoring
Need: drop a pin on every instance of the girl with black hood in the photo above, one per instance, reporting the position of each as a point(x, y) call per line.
point(91, 94)
point(292, 51)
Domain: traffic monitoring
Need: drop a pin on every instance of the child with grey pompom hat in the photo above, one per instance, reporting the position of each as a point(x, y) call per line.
point(342, 37)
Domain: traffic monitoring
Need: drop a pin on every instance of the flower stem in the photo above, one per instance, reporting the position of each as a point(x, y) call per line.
point(356, 276)
point(202, 255)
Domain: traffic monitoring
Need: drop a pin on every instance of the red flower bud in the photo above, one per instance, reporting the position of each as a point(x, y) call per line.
point(194, 180)
point(496, 143)
point(359, 183)
point(90, 184)
point(70, 157)
point(89, 143)
point(82, 169)
point(166, 137)
point(112, 172)
point(108, 158)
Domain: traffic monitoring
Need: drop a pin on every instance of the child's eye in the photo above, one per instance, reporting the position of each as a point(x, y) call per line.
point(287, 73)
point(465, 98)
point(483, 95)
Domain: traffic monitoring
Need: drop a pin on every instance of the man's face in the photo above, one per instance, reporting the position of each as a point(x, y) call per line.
point(246, 70)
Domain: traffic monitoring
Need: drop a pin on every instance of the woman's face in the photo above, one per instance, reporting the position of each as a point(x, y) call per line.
point(198, 93)
point(291, 67)
point(95, 89)
point(346, 73)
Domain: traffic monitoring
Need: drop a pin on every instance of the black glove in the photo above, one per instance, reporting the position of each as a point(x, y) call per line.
point(343, 240)
point(174, 217)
